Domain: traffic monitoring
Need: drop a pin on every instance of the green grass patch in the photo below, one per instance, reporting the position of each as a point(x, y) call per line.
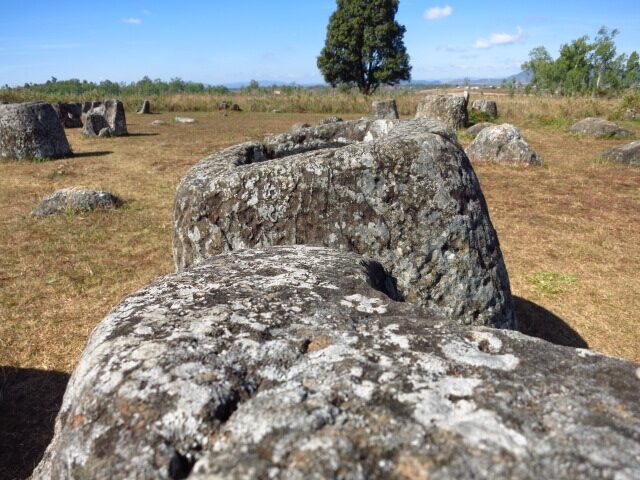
point(552, 283)
point(479, 117)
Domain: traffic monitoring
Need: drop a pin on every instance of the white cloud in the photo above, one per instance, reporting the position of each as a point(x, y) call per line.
point(435, 13)
point(499, 39)
point(132, 21)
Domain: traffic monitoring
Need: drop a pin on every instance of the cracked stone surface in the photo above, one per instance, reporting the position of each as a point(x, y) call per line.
point(503, 144)
point(77, 200)
point(288, 363)
point(452, 110)
point(599, 128)
point(329, 134)
point(113, 118)
point(31, 131)
point(409, 200)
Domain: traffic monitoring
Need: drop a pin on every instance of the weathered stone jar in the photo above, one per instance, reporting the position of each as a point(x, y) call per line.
point(409, 200)
point(31, 131)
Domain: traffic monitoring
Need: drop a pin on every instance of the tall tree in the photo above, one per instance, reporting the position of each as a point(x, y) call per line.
point(541, 66)
point(364, 46)
point(604, 53)
point(632, 70)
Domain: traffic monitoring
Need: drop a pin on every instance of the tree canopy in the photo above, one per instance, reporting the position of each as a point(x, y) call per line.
point(364, 46)
point(584, 66)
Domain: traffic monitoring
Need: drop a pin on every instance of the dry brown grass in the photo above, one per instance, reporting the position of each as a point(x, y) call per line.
point(59, 276)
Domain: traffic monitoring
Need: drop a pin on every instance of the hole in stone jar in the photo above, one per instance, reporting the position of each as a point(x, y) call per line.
point(180, 466)
point(380, 279)
point(253, 154)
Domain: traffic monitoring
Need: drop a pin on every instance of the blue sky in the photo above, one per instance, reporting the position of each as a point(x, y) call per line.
point(223, 41)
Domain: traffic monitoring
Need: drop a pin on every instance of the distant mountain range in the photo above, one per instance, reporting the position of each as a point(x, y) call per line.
point(522, 77)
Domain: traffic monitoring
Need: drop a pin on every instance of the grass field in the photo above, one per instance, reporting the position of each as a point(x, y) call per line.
point(570, 234)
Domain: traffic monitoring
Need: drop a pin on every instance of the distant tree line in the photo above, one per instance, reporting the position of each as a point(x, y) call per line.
point(144, 87)
point(584, 67)
point(107, 88)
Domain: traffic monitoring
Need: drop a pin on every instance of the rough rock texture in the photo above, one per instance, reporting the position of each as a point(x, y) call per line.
point(630, 114)
point(626, 154)
point(325, 135)
point(76, 199)
point(31, 131)
point(502, 144)
point(105, 133)
point(146, 108)
point(184, 120)
point(409, 200)
point(330, 120)
point(286, 363)
point(94, 123)
point(113, 115)
point(478, 127)
point(86, 108)
point(385, 109)
point(299, 126)
point(380, 128)
point(599, 128)
point(449, 109)
point(485, 106)
point(70, 114)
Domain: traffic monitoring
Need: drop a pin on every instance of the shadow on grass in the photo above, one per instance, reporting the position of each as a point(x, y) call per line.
point(142, 134)
point(539, 322)
point(29, 402)
point(90, 154)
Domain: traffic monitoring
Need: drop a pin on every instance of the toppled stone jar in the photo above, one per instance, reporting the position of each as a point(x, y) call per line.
point(293, 362)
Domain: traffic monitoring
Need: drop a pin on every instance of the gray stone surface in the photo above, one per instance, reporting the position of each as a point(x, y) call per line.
point(146, 108)
point(113, 115)
point(70, 114)
point(385, 110)
point(286, 363)
point(626, 154)
point(380, 128)
point(31, 131)
point(324, 135)
point(409, 200)
point(77, 200)
point(452, 110)
point(94, 123)
point(502, 144)
point(630, 114)
point(105, 133)
point(488, 107)
point(478, 127)
point(88, 107)
point(330, 120)
point(299, 126)
point(599, 128)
